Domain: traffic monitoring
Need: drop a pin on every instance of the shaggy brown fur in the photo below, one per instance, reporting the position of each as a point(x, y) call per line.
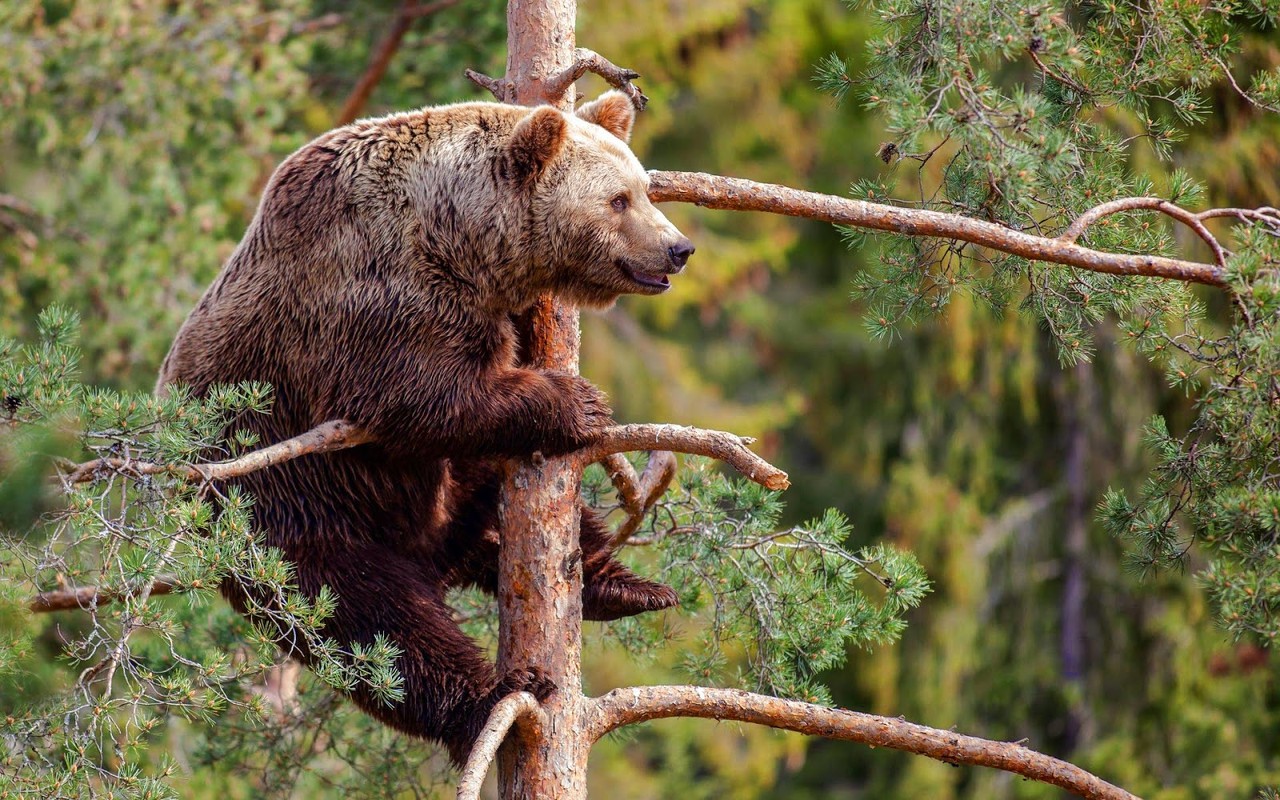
point(377, 283)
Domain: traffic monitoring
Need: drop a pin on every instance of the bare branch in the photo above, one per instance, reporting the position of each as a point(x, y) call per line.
point(727, 447)
point(87, 597)
point(737, 194)
point(648, 489)
point(1078, 227)
point(638, 704)
point(1268, 216)
point(624, 479)
point(409, 11)
point(506, 713)
point(585, 61)
point(500, 88)
point(333, 435)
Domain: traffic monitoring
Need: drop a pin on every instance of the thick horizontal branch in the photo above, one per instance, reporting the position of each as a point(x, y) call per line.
point(738, 194)
point(631, 705)
point(727, 447)
point(333, 435)
point(505, 714)
point(90, 596)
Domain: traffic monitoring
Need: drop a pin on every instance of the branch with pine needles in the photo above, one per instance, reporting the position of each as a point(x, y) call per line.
point(628, 706)
point(87, 597)
point(737, 194)
point(327, 437)
point(638, 493)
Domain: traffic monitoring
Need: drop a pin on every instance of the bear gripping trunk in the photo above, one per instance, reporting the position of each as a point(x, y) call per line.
point(540, 566)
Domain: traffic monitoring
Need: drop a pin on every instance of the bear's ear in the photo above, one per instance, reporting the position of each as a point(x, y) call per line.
point(536, 140)
point(613, 112)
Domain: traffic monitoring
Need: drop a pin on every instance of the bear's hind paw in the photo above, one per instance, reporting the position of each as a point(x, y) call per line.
point(625, 596)
point(524, 679)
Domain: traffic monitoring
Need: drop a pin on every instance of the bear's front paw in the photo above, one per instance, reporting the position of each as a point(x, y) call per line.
point(585, 412)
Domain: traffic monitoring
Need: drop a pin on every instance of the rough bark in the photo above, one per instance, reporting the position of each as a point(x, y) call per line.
point(540, 564)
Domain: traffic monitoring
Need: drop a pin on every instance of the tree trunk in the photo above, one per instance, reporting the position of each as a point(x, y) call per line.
point(540, 568)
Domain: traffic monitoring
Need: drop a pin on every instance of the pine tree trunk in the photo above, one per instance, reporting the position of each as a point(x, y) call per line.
point(540, 569)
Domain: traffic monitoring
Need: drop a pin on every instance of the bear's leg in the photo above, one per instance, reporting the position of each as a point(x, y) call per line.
point(609, 589)
point(449, 686)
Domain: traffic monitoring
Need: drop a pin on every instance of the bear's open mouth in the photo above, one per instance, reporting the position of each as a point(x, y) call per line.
point(659, 282)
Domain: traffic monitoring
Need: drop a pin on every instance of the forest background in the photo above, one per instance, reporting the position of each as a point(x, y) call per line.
point(142, 148)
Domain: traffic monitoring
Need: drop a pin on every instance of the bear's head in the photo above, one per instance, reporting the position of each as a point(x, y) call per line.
point(595, 235)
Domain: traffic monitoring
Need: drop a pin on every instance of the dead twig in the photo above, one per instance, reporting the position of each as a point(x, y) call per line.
point(500, 88)
point(642, 492)
point(327, 437)
point(585, 61)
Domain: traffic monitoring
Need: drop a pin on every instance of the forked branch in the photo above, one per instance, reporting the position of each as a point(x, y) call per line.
point(638, 704)
point(738, 194)
point(585, 61)
point(554, 88)
point(638, 493)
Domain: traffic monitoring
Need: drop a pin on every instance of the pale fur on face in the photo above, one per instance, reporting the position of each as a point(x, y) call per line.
point(598, 251)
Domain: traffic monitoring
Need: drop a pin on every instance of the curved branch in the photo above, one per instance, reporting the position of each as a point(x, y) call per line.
point(585, 61)
point(737, 194)
point(506, 713)
point(1192, 221)
point(336, 434)
point(727, 447)
point(638, 704)
point(624, 479)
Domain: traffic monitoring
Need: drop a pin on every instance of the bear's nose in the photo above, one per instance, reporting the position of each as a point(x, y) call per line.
point(680, 251)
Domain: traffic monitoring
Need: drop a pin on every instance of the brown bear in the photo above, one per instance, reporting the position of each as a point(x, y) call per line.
point(378, 283)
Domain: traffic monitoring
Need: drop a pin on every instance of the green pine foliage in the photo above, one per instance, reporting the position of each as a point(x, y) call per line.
point(1027, 116)
point(133, 664)
point(773, 607)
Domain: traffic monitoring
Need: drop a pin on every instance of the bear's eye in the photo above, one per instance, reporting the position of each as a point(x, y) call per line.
point(620, 203)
